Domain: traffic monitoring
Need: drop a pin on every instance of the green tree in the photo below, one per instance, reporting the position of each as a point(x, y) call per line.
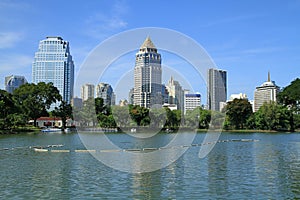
point(198, 118)
point(121, 116)
point(7, 108)
point(139, 114)
point(272, 116)
point(64, 111)
point(290, 97)
point(34, 100)
point(173, 119)
point(238, 112)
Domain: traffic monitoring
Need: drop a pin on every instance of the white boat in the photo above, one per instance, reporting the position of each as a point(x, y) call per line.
point(48, 130)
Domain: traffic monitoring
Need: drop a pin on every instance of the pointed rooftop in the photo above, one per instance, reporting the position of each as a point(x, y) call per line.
point(148, 44)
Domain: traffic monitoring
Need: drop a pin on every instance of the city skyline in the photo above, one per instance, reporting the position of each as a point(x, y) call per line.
point(242, 38)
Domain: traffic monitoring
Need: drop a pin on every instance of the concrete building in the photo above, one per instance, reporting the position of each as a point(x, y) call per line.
point(176, 93)
point(76, 102)
point(265, 93)
point(13, 82)
point(87, 91)
point(147, 76)
point(237, 96)
point(105, 91)
point(53, 63)
point(216, 88)
point(191, 101)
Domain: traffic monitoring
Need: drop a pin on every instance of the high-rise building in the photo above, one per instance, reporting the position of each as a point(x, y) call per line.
point(176, 93)
point(13, 82)
point(147, 76)
point(216, 88)
point(76, 102)
point(87, 91)
point(131, 96)
point(53, 63)
point(265, 93)
point(191, 101)
point(105, 91)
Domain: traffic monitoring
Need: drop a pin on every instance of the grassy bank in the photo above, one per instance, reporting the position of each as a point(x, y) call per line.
point(20, 130)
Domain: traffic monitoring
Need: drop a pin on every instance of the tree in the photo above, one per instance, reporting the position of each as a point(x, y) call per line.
point(34, 100)
point(139, 114)
point(290, 97)
point(7, 108)
point(238, 112)
point(64, 111)
point(198, 118)
point(272, 116)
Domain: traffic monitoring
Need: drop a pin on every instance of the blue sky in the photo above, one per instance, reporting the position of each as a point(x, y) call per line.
point(246, 38)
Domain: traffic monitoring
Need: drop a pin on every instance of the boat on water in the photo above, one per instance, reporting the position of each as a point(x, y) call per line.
point(48, 130)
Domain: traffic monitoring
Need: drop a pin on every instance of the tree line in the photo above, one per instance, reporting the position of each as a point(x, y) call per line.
point(31, 101)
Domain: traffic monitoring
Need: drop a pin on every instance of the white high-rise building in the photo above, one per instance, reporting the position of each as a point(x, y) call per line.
point(53, 63)
point(216, 88)
point(147, 76)
point(265, 93)
point(191, 101)
point(176, 93)
point(87, 91)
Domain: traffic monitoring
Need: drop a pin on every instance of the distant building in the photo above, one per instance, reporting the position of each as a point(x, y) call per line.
point(265, 93)
point(13, 82)
point(237, 96)
point(53, 63)
point(191, 101)
point(176, 93)
point(147, 76)
point(216, 88)
point(87, 91)
point(105, 91)
point(76, 102)
point(170, 106)
point(131, 96)
point(123, 102)
point(165, 94)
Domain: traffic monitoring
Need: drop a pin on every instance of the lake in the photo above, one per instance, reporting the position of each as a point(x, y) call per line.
point(264, 169)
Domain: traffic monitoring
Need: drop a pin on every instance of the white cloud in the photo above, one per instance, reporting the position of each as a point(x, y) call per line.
point(100, 24)
point(9, 39)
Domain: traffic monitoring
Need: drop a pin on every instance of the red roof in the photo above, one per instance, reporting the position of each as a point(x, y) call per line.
point(49, 118)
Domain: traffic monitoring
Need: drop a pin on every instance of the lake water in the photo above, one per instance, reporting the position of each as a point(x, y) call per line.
point(266, 169)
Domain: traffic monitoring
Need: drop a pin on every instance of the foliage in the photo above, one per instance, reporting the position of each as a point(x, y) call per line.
point(34, 100)
point(198, 118)
point(272, 116)
point(64, 111)
point(238, 112)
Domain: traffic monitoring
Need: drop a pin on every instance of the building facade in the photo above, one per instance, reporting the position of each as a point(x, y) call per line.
point(216, 88)
point(13, 82)
point(53, 63)
point(147, 76)
point(265, 93)
point(105, 91)
point(87, 91)
point(176, 93)
point(191, 101)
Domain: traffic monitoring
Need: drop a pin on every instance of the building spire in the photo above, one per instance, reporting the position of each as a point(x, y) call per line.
point(148, 43)
point(269, 79)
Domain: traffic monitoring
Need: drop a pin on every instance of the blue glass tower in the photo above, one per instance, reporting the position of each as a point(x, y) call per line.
point(53, 63)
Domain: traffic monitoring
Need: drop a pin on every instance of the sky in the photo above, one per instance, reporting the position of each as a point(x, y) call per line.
point(245, 38)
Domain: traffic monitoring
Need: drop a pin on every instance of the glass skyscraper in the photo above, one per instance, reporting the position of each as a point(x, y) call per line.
point(216, 88)
point(13, 82)
point(53, 63)
point(147, 76)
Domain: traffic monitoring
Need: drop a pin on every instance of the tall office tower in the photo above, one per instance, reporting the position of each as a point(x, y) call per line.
point(265, 93)
point(13, 82)
point(105, 91)
point(53, 63)
point(131, 96)
point(216, 88)
point(176, 93)
point(147, 76)
point(87, 91)
point(191, 101)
